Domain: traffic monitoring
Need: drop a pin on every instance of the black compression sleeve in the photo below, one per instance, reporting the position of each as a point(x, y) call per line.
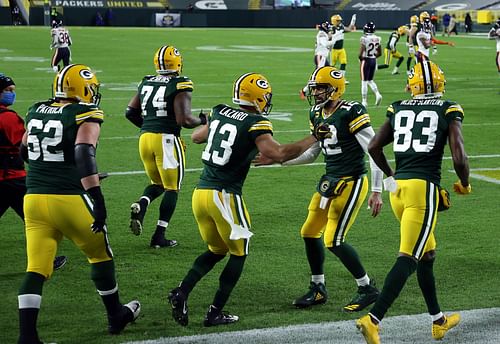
point(85, 159)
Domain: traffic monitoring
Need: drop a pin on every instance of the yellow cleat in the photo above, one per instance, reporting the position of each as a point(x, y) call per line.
point(438, 331)
point(369, 330)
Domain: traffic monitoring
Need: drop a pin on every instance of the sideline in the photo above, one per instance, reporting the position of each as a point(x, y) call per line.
point(479, 326)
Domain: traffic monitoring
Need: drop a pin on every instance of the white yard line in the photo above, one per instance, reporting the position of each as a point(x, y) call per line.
point(478, 326)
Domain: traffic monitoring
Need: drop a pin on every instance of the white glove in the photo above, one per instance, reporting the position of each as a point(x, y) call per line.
point(390, 184)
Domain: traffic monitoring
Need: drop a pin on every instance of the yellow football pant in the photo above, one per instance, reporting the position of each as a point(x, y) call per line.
point(151, 149)
point(49, 218)
point(214, 229)
point(339, 55)
point(338, 216)
point(415, 205)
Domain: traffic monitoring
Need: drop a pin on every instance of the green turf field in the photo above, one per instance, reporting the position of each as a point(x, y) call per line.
point(276, 271)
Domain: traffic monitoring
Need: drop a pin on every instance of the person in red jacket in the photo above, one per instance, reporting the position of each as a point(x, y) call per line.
point(12, 172)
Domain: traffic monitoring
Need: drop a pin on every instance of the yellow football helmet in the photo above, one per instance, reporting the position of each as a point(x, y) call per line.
point(402, 30)
point(254, 90)
point(413, 20)
point(329, 77)
point(336, 20)
point(424, 15)
point(426, 79)
point(168, 60)
point(77, 82)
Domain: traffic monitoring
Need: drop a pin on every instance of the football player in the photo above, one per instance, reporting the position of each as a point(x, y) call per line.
point(324, 45)
point(411, 41)
point(64, 198)
point(369, 50)
point(341, 191)
point(418, 130)
point(233, 136)
point(425, 39)
point(391, 51)
point(338, 51)
point(160, 108)
point(61, 42)
point(494, 33)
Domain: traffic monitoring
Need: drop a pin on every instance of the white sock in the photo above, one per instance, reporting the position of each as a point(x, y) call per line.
point(373, 86)
point(395, 70)
point(318, 279)
point(437, 316)
point(364, 90)
point(365, 280)
point(55, 69)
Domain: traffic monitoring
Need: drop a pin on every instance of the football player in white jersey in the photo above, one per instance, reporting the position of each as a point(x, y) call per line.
point(368, 52)
point(495, 34)
point(61, 41)
point(324, 45)
point(424, 41)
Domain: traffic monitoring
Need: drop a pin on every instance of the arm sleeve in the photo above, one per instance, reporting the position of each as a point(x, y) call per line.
point(392, 43)
point(307, 157)
point(364, 137)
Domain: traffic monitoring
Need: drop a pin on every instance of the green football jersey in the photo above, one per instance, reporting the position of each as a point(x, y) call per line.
point(157, 93)
point(393, 37)
point(339, 44)
point(230, 147)
point(52, 129)
point(344, 156)
point(420, 135)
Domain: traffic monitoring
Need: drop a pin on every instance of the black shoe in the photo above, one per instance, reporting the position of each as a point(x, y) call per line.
point(216, 317)
point(59, 262)
point(316, 295)
point(162, 242)
point(136, 218)
point(24, 340)
point(178, 300)
point(365, 296)
point(128, 314)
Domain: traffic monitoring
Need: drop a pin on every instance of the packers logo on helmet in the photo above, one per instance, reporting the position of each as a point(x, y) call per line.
point(426, 79)
point(329, 78)
point(168, 60)
point(424, 15)
point(77, 82)
point(254, 90)
point(336, 20)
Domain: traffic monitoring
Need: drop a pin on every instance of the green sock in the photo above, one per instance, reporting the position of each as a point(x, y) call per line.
point(315, 253)
point(425, 277)
point(167, 206)
point(394, 283)
point(228, 279)
point(103, 275)
point(153, 191)
point(201, 266)
point(349, 257)
point(28, 315)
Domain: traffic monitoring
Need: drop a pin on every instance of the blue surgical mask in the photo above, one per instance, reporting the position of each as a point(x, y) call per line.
point(8, 98)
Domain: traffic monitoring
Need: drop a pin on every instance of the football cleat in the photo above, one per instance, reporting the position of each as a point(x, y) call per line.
point(378, 99)
point(438, 331)
point(216, 317)
point(128, 314)
point(136, 218)
point(59, 262)
point(365, 296)
point(369, 330)
point(162, 242)
point(178, 301)
point(316, 295)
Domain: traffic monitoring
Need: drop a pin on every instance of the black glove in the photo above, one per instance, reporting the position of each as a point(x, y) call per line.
point(99, 210)
point(322, 131)
point(203, 118)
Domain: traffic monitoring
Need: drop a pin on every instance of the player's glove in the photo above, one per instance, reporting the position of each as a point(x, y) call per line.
point(411, 50)
point(99, 210)
point(322, 131)
point(460, 189)
point(203, 118)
